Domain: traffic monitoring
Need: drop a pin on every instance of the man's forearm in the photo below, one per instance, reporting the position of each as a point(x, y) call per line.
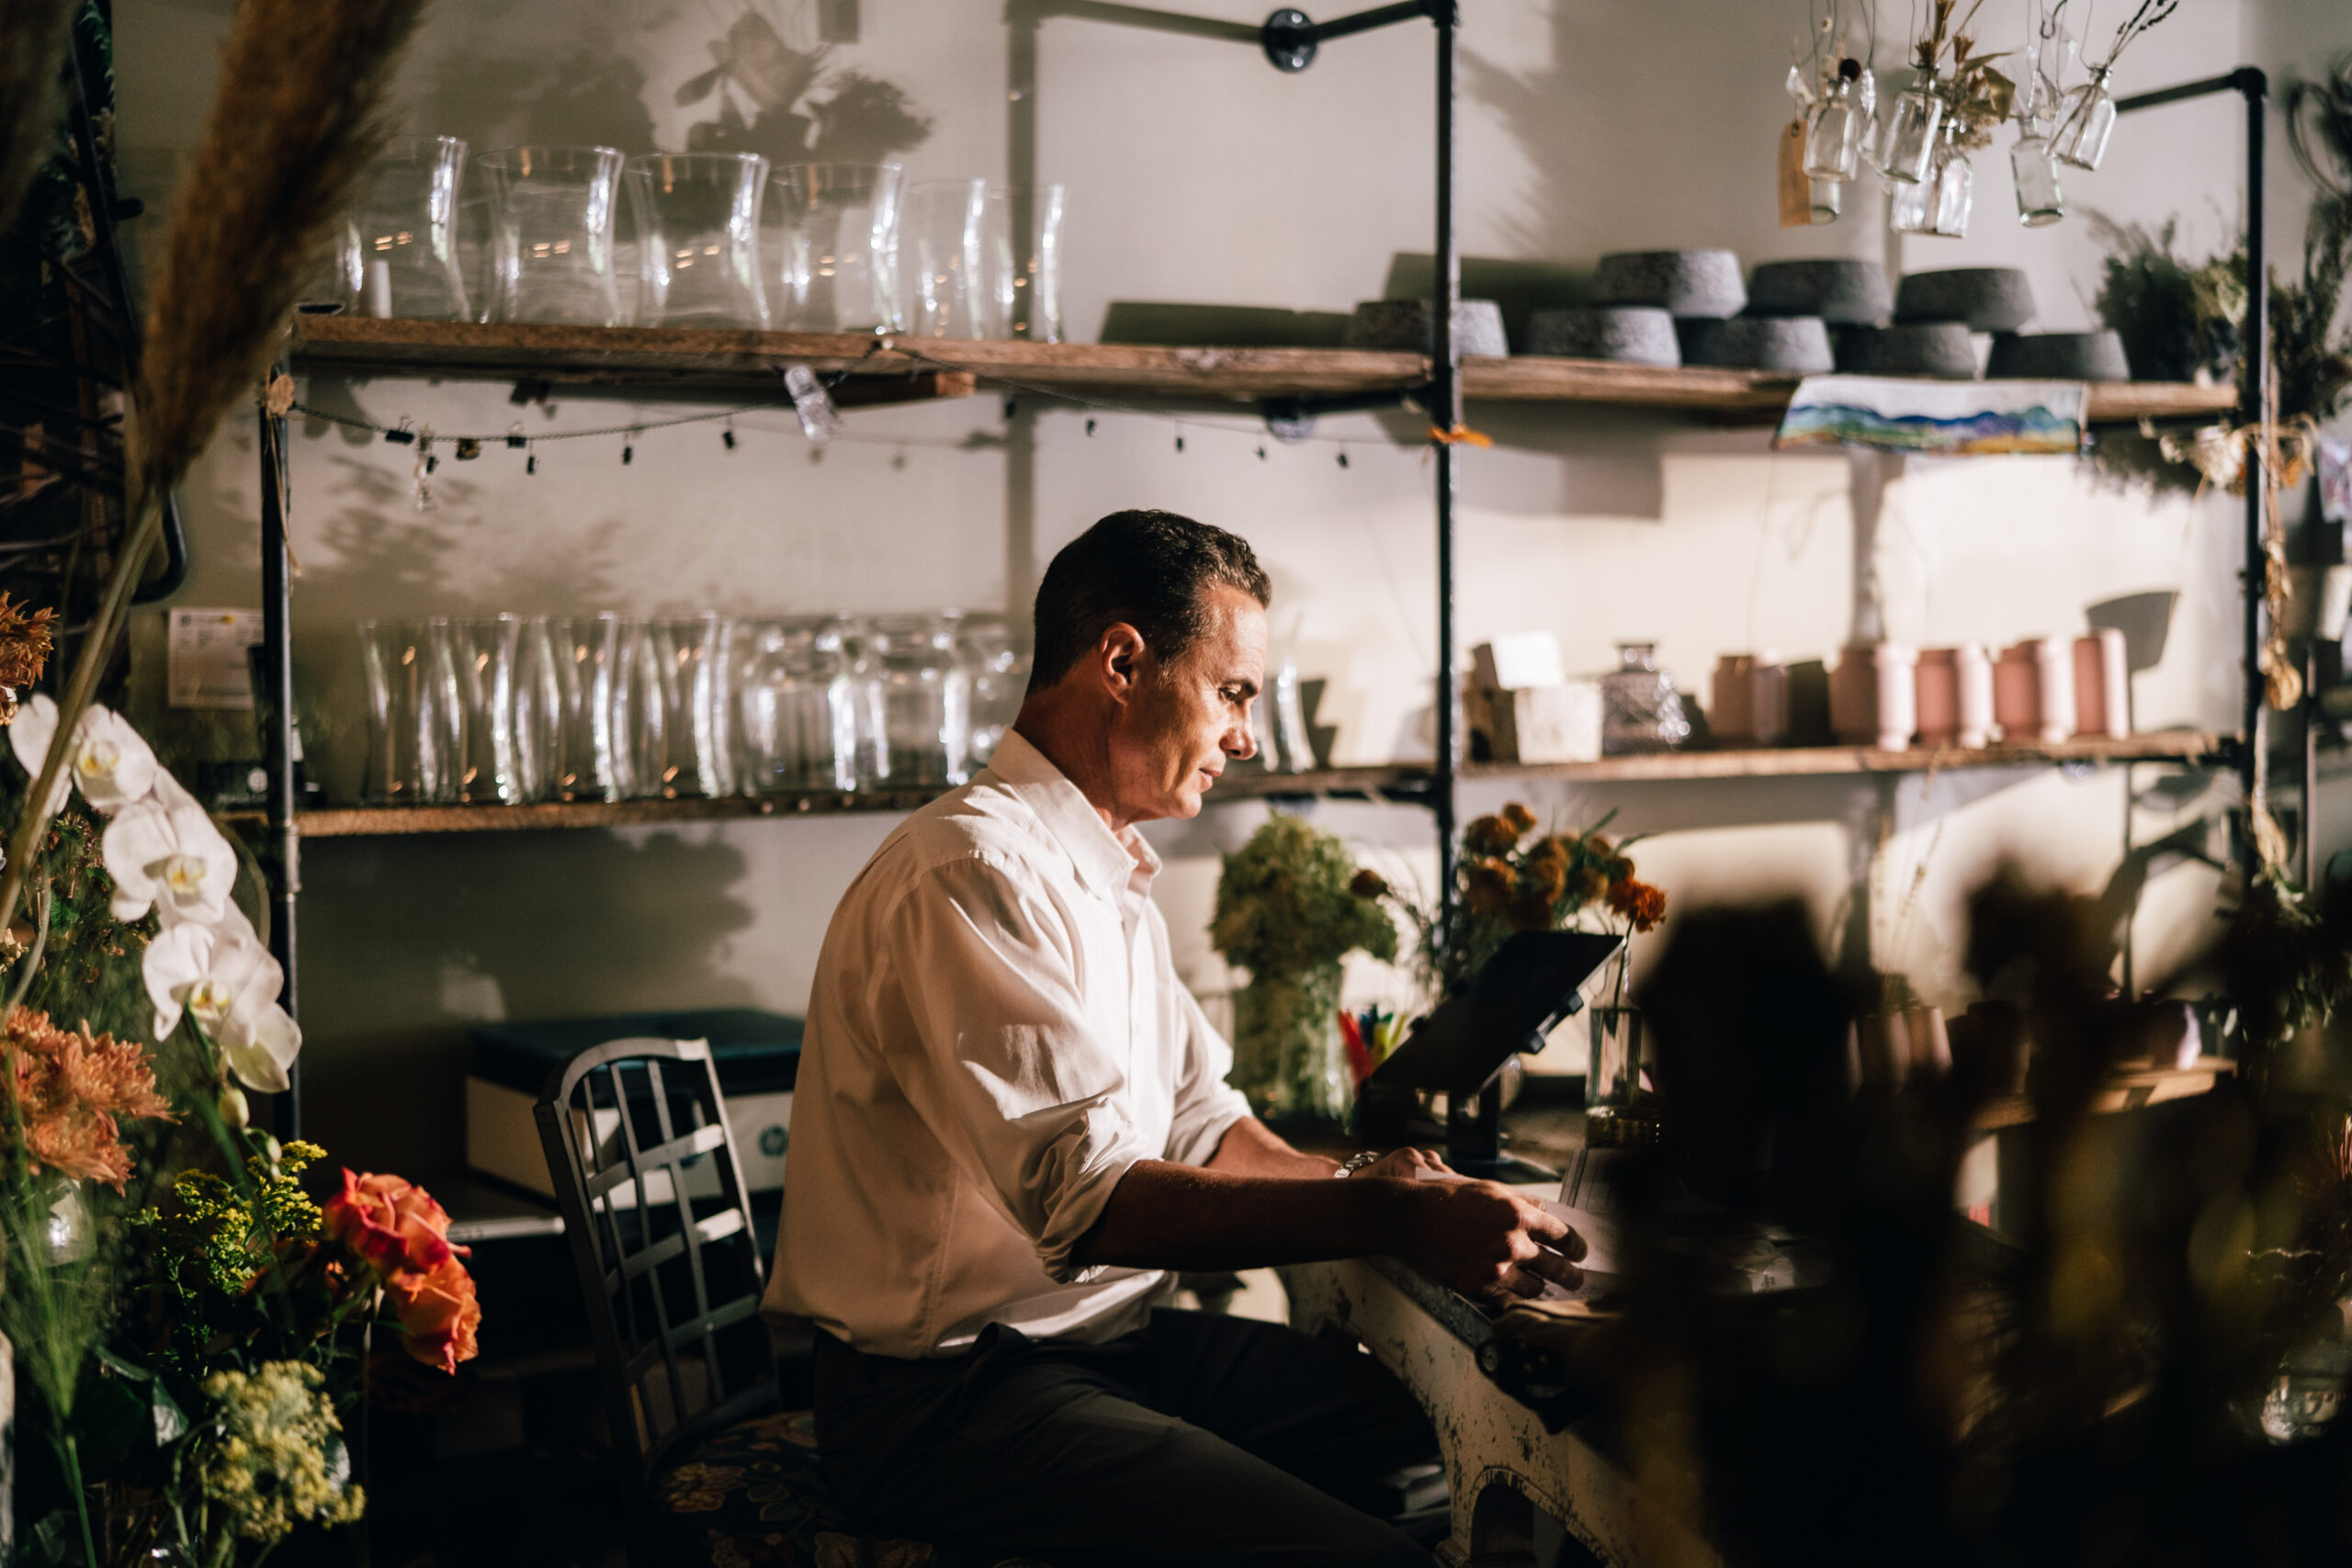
point(1179, 1216)
point(1250, 1147)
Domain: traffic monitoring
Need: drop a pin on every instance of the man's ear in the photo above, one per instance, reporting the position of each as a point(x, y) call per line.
point(1121, 657)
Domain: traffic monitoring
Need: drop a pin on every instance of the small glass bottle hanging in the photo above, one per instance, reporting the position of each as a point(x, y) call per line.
point(1833, 143)
point(1955, 194)
point(1908, 156)
point(1911, 208)
point(2086, 122)
point(1828, 200)
point(2035, 167)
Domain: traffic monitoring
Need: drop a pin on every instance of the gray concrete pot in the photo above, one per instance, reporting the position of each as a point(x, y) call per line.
point(1848, 293)
point(1411, 325)
point(1794, 346)
point(1941, 349)
point(1988, 299)
point(1632, 334)
point(1681, 282)
point(2060, 356)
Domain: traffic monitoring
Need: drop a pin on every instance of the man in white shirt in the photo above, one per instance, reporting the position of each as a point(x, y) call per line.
point(1011, 1124)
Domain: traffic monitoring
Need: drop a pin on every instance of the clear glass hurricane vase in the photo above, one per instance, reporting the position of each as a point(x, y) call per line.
point(941, 279)
point(838, 232)
point(398, 252)
point(698, 239)
point(554, 211)
point(416, 711)
point(1287, 1057)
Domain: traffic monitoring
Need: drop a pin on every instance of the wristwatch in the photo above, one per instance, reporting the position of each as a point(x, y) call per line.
point(1354, 1163)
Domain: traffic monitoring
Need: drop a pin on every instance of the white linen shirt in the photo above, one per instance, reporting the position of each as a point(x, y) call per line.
point(995, 1035)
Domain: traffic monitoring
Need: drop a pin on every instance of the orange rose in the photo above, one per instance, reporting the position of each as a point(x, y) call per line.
point(391, 1222)
point(437, 1314)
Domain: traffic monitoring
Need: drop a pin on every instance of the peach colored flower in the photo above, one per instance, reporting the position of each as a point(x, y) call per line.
point(437, 1314)
point(70, 1087)
point(393, 1224)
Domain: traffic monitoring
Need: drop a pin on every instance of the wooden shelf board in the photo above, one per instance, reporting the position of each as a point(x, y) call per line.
point(2125, 1091)
point(381, 821)
point(733, 360)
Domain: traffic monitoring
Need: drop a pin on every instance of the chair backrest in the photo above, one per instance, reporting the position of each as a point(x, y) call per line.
point(652, 1201)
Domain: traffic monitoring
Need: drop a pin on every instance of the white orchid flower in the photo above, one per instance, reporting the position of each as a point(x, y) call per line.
point(165, 852)
point(111, 763)
point(222, 976)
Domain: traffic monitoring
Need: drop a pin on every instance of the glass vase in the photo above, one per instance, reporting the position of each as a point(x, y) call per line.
point(698, 235)
point(2084, 122)
point(397, 254)
point(1020, 252)
point(1641, 710)
point(553, 211)
point(839, 236)
point(1911, 208)
point(486, 650)
point(795, 719)
point(1618, 1112)
point(1955, 195)
point(997, 668)
point(2035, 169)
point(940, 277)
point(1908, 156)
point(416, 725)
point(914, 719)
point(1287, 1057)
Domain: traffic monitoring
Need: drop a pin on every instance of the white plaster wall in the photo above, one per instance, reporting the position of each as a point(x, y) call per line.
point(1197, 174)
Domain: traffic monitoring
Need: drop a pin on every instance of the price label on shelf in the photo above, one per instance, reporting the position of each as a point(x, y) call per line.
point(207, 665)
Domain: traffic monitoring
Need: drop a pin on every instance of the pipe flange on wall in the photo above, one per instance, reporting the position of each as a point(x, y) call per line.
point(1288, 39)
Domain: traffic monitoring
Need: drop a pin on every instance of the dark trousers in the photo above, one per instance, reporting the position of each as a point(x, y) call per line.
point(1196, 1440)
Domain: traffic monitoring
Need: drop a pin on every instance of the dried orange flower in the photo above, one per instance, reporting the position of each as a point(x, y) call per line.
point(24, 645)
point(1519, 819)
point(1490, 888)
point(70, 1086)
point(1368, 884)
point(1640, 903)
point(1488, 836)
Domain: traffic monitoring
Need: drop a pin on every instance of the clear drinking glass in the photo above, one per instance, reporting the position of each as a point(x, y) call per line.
point(540, 677)
point(913, 721)
point(1907, 155)
point(2035, 168)
point(1021, 246)
point(997, 668)
point(2086, 120)
point(398, 252)
point(1833, 138)
point(838, 233)
point(796, 721)
point(551, 241)
point(698, 239)
point(1641, 711)
point(1955, 195)
point(416, 714)
point(940, 277)
point(485, 652)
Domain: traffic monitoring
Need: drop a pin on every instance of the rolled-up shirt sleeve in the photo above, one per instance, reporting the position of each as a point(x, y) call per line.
point(1206, 1106)
point(1009, 1072)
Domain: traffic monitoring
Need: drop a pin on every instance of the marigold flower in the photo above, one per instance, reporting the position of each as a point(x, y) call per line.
point(1490, 886)
point(1490, 836)
point(1640, 903)
point(1518, 818)
point(1545, 877)
point(1591, 883)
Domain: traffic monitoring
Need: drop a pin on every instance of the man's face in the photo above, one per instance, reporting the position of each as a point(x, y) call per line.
point(1188, 715)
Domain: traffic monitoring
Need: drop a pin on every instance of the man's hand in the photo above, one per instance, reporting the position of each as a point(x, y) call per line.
point(1406, 1164)
point(1483, 1239)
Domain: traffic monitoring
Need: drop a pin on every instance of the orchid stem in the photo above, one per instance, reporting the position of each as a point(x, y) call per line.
point(73, 1457)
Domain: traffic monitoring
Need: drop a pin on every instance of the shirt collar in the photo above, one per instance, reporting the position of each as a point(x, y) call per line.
point(1106, 862)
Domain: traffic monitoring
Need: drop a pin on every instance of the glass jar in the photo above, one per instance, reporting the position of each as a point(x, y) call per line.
point(1641, 711)
point(2035, 168)
point(913, 704)
point(796, 724)
point(1833, 138)
point(997, 668)
point(1955, 194)
point(2086, 121)
point(1908, 156)
point(1620, 1112)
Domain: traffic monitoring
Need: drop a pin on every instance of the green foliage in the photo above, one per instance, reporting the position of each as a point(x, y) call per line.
point(1284, 906)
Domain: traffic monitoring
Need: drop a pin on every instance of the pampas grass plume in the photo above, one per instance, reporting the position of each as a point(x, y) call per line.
point(299, 116)
point(33, 35)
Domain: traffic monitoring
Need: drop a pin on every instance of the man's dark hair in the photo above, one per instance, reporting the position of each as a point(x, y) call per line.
point(1151, 569)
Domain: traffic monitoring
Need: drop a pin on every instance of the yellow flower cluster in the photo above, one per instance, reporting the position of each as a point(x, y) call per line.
point(277, 1459)
point(238, 1235)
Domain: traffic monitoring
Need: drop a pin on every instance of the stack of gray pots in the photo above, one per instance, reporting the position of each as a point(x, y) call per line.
point(1642, 298)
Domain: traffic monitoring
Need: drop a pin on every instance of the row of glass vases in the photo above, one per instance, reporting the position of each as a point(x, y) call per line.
point(509, 709)
point(710, 238)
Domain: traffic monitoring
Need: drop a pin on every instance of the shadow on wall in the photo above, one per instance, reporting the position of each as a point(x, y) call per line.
point(407, 943)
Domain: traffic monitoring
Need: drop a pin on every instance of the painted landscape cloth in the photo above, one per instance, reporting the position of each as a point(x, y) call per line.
point(1937, 419)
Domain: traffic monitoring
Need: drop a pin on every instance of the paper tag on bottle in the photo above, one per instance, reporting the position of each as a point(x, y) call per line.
point(1797, 190)
point(819, 421)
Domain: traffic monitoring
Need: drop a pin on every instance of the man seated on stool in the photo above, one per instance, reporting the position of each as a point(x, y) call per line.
point(1012, 1123)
